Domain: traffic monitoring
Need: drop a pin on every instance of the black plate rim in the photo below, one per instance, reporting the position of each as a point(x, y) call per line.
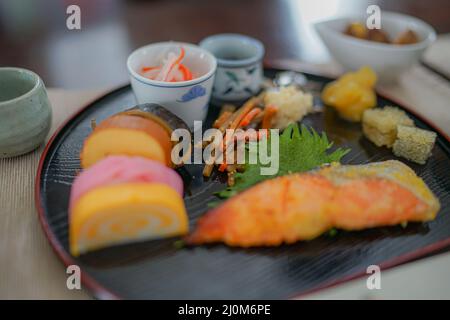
point(101, 292)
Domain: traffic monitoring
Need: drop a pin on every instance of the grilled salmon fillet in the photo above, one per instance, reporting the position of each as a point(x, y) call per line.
point(303, 206)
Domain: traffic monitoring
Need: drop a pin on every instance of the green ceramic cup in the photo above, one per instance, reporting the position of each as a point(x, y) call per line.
point(25, 112)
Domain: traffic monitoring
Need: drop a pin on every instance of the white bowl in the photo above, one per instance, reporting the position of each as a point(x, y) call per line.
point(387, 60)
point(187, 99)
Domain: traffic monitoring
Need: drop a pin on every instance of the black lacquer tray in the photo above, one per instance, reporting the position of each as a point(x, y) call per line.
point(158, 270)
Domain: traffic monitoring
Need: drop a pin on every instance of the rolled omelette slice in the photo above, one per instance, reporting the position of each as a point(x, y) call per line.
point(124, 213)
point(303, 206)
point(130, 135)
point(122, 169)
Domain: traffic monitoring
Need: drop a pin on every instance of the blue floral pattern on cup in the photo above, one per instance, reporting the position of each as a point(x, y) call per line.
point(240, 84)
point(194, 92)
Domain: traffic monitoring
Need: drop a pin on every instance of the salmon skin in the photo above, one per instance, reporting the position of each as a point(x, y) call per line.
point(303, 206)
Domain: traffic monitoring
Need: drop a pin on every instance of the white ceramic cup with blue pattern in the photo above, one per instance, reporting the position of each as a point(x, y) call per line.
point(239, 72)
point(186, 99)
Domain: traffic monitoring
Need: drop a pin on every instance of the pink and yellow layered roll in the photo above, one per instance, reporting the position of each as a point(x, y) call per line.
point(125, 199)
point(122, 169)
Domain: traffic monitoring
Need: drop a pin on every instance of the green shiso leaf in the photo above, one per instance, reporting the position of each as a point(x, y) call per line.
point(333, 232)
point(179, 244)
point(301, 149)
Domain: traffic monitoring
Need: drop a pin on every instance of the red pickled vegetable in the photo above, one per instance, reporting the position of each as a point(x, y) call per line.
point(249, 117)
point(172, 69)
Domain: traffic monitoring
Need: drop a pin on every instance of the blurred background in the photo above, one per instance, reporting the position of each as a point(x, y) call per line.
point(33, 33)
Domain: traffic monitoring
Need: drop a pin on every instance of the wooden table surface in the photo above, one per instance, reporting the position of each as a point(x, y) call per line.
point(36, 36)
point(29, 267)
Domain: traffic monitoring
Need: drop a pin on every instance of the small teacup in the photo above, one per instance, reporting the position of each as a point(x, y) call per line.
point(25, 112)
point(239, 72)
